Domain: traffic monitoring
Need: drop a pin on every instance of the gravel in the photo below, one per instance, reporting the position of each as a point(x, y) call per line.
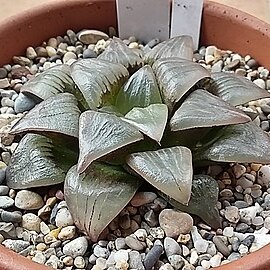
point(147, 232)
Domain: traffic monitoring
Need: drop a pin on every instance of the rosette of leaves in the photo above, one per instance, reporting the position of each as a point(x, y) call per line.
point(106, 126)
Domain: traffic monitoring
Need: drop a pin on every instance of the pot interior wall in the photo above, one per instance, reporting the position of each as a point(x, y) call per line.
point(227, 28)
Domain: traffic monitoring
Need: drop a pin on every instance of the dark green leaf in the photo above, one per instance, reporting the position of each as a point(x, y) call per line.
point(33, 164)
point(98, 80)
point(151, 120)
point(118, 52)
point(168, 169)
point(235, 89)
point(202, 109)
point(96, 197)
point(102, 133)
point(141, 90)
point(53, 81)
point(237, 143)
point(203, 201)
point(181, 46)
point(176, 76)
point(57, 114)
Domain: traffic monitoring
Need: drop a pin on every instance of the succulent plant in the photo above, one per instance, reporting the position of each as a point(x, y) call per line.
point(105, 126)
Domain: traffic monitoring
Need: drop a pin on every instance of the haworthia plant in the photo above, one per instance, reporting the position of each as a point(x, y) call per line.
point(154, 117)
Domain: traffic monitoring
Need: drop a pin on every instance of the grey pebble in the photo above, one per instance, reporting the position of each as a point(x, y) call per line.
point(76, 247)
point(15, 245)
point(135, 260)
point(11, 216)
point(2, 174)
point(88, 53)
point(4, 190)
point(101, 252)
point(3, 73)
point(151, 218)
point(6, 202)
point(120, 243)
point(234, 256)
point(177, 261)
point(248, 240)
point(8, 230)
point(221, 247)
point(7, 102)
point(134, 243)
point(152, 256)
point(23, 103)
point(265, 125)
point(171, 247)
point(152, 43)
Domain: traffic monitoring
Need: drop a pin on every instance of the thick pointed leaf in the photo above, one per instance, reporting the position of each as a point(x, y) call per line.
point(118, 52)
point(141, 90)
point(203, 200)
point(150, 120)
point(168, 169)
point(176, 76)
point(98, 80)
point(236, 143)
point(235, 89)
point(53, 81)
point(181, 46)
point(57, 114)
point(33, 164)
point(102, 133)
point(96, 197)
point(202, 109)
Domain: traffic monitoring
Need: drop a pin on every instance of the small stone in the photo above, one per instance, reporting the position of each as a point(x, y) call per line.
point(101, 252)
point(4, 83)
point(120, 243)
point(267, 223)
point(142, 198)
point(67, 233)
point(3, 73)
point(7, 230)
point(185, 251)
point(28, 200)
point(217, 67)
point(152, 256)
point(141, 234)
point(239, 170)
point(44, 228)
point(228, 231)
point(23, 103)
point(4, 190)
point(233, 64)
point(122, 265)
point(157, 232)
point(79, 262)
point(15, 217)
point(175, 223)
point(88, 53)
point(232, 214)
point(63, 218)
point(243, 249)
point(176, 261)
point(6, 202)
point(252, 63)
point(201, 245)
point(151, 218)
point(221, 247)
point(121, 255)
point(69, 56)
point(226, 193)
point(134, 243)
point(91, 36)
point(41, 246)
point(166, 266)
point(263, 177)
point(39, 258)
point(21, 60)
point(244, 182)
point(260, 83)
point(124, 222)
point(171, 247)
point(51, 51)
point(52, 262)
point(76, 247)
point(31, 222)
point(248, 241)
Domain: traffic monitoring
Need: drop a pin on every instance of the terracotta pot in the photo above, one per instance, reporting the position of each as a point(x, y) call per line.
point(222, 26)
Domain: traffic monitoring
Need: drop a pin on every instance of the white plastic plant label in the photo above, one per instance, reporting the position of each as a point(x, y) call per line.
point(186, 19)
point(144, 19)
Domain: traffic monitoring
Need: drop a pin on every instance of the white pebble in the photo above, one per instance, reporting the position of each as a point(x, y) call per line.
point(228, 231)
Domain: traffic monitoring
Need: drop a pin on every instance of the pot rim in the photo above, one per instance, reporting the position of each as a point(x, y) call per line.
point(10, 260)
